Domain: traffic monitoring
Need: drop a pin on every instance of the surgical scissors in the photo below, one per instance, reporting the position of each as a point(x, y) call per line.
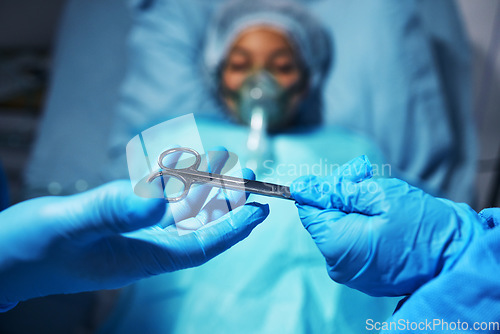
point(191, 175)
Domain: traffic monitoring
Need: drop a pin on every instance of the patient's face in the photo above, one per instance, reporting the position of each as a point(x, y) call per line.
point(260, 48)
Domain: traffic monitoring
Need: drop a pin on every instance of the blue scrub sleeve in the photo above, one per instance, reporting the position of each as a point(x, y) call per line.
point(463, 300)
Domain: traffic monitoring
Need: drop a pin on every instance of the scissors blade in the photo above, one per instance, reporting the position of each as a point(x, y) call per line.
point(268, 189)
point(235, 183)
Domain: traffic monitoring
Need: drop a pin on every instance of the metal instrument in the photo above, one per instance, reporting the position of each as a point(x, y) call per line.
point(191, 175)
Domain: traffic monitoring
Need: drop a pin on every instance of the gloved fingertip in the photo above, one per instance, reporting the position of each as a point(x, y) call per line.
point(231, 228)
point(490, 217)
point(308, 189)
point(218, 149)
point(217, 158)
point(357, 170)
point(262, 209)
point(248, 174)
point(368, 167)
point(365, 158)
point(251, 214)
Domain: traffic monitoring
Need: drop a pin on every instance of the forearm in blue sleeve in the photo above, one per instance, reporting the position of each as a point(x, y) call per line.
point(469, 293)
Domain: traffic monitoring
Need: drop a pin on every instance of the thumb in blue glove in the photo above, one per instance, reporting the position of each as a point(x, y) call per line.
point(101, 239)
point(382, 236)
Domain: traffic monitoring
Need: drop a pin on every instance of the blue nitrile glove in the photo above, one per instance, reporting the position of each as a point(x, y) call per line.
point(464, 299)
point(106, 238)
point(382, 236)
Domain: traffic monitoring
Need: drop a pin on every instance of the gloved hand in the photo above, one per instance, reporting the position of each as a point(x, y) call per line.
point(464, 299)
point(382, 236)
point(107, 238)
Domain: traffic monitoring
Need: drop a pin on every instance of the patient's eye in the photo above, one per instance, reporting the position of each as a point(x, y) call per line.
point(284, 69)
point(238, 62)
point(283, 65)
point(238, 66)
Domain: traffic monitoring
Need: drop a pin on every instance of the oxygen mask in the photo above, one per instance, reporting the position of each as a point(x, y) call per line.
point(262, 104)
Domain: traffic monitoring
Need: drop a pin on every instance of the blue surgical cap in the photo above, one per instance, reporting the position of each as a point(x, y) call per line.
point(307, 36)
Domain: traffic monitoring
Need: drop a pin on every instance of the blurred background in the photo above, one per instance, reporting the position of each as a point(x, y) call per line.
point(29, 29)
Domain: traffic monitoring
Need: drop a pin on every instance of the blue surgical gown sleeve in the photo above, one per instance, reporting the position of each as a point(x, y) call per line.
point(469, 292)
